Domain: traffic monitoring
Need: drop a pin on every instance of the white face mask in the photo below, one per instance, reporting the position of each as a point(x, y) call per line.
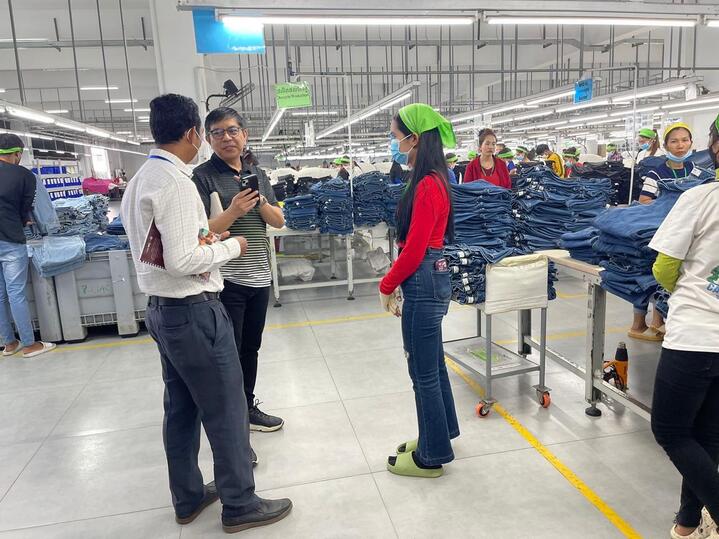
point(194, 160)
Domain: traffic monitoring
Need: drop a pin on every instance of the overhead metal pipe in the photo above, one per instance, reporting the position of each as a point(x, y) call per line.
point(17, 56)
point(74, 60)
point(104, 65)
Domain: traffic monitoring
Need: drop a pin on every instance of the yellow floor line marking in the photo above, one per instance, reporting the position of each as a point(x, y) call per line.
point(622, 525)
point(100, 345)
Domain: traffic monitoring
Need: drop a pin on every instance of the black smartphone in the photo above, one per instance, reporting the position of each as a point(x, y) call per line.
point(249, 181)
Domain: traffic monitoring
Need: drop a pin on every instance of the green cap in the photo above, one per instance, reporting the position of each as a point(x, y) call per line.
point(611, 146)
point(573, 155)
point(341, 161)
point(506, 154)
point(7, 151)
point(471, 154)
point(647, 133)
point(451, 158)
point(522, 149)
point(419, 118)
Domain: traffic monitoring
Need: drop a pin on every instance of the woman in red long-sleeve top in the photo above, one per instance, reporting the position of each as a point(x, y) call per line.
point(424, 220)
point(486, 166)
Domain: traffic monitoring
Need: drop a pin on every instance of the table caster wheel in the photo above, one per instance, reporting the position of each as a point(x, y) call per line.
point(483, 409)
point(544, 398)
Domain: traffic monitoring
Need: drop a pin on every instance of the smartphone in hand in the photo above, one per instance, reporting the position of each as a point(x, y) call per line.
point(249, 181)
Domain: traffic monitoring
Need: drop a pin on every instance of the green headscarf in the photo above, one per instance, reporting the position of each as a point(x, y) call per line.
point(506, 154)
point(611, 147)
point(8, 151)
point(341, 161)
point(522, 149)
point(419, 118)
point(647, 133)
point(471, 154)
point(574, 154)
point(451, 158)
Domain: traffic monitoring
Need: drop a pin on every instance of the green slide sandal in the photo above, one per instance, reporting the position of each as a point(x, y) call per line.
point(407, 447)
point(404, 465)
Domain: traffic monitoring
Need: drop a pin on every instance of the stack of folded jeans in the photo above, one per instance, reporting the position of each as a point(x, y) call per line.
point(57, 255)
point(546, 206)
point(102, 242)
point(393, 195)
point(581, 245)
point(624, 236)
point(301, 213)
point(115, 228)
point(43, 211)
point(552, 277)
point(467, 266)
point(369, 193)
point(618, 175)
point(75, 216)
point(662, 302)
point(482, 214)
point(334, 203)
point(99, 205)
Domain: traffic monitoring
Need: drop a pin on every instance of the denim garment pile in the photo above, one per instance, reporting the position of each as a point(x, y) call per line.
point(102, 242)
point(369, 192)
point(301, 213)
point(334, 204)
point(115, 227)
point(56, 255)
point(99, 205)
point(624, 236)
point(619, 176)
point(393, 195)
point(662, 301)
point(581, 245)
point(482, 214)
point(546, 206)
point(76, 216)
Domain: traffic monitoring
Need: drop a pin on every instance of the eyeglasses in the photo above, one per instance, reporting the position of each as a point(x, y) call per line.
point(219, 133)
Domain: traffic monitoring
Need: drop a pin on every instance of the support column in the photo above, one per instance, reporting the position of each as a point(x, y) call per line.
point(178, 64)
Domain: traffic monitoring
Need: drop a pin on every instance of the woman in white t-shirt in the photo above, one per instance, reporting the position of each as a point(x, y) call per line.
point(685, 413)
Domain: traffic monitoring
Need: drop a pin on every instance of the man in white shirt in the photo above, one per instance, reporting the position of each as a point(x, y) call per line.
point(177, 262)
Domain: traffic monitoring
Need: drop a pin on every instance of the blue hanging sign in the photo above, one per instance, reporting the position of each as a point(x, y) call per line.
point(583, 90)
point(228, 36)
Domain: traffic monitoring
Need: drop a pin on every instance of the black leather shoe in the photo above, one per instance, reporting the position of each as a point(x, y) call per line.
point(268, 512)
point(211, 496)
point(254, 457)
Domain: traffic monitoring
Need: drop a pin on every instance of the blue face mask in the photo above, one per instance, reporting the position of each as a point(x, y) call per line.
point(398, 156)
point(677, 159)
point(644, 146)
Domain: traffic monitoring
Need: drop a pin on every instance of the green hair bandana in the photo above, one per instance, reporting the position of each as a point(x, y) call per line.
point(506, 154)
point(647, 133)
point(420, 118)
point(7, 151)
point(611, 147)
point(451, 158)
point(522, 149)
point(341, 161)
point(471, 154)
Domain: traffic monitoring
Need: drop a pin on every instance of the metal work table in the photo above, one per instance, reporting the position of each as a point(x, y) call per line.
point(350, 281)
point(592, 372)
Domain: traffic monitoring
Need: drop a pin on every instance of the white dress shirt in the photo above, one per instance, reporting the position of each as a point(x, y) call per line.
point(162, 190)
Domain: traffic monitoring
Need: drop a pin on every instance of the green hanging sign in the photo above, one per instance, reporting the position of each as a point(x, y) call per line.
point(293, 95)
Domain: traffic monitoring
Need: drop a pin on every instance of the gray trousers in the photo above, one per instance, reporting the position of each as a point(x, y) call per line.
point(203, 384)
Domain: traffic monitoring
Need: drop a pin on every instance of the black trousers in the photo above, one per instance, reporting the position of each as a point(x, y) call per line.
point(247, 307)
point(685, 422)
point(201, 372)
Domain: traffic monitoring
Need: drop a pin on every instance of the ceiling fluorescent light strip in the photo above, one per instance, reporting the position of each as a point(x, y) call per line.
point(31, 115)
point(72, 127)
point(534, 115)
point(593, 21)
point(92, 88)
point(300, 20)
point(276, 117)
point(57, 111)
point(693, 102)
point(553, 97)
point(114, 101)
point(630, 112)
point(579, 106)
point(588, 118)
point(693, 109)
point(650, 92)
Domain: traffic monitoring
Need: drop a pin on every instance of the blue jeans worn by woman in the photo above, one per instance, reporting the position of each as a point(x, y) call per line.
point(685, 422)
point(13, 281)
point(426, 300)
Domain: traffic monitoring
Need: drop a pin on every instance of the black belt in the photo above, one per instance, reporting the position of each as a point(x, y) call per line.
point(189, 300)
point(427, 251)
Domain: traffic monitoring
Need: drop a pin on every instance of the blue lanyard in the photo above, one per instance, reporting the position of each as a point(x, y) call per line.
point(160, 157)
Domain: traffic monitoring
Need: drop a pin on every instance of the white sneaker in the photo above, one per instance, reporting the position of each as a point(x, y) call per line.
point(699, 533)
point(708, 523)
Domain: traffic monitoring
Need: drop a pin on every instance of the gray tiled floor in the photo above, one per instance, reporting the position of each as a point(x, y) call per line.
point(81, 446)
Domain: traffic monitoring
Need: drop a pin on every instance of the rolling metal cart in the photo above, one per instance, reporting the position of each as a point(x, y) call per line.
point(514, 284)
